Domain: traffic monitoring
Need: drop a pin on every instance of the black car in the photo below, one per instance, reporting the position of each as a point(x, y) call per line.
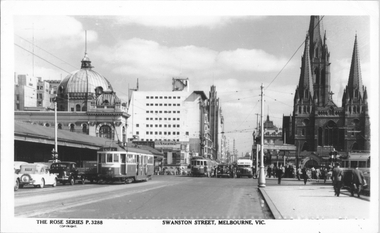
point(223, 170)
point(67, 172)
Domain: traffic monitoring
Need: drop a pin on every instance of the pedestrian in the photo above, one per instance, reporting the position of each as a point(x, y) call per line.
point(317, 174)
point(337, 176)
point(304, 175)
point(279, 173)
point(357, 181)
point(299, 173)
point(325, 174)
point(269, 171)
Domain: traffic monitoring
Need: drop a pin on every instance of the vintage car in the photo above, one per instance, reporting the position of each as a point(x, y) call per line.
point(37, 175)
point(222, 170)
point(17, 168)
point(67, 172)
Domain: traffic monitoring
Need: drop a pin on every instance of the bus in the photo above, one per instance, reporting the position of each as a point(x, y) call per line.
point(244, 167)
point(201, 166)
point(124, 164)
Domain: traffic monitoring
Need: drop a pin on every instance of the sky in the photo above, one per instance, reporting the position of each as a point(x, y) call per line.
point(236, 52)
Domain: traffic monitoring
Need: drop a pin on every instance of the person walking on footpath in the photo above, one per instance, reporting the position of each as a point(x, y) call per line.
point(357, 181)
point(337, 176)
point(299, 173)
point(279, 174)
point(304, 175)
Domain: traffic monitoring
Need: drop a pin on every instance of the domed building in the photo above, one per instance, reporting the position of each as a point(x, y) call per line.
point(86, 103)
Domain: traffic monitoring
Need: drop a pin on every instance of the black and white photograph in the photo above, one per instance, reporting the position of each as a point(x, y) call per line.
point(167, 116)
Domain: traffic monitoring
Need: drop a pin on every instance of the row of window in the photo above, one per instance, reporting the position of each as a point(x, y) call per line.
point(160, 119)
point(163, 97)
point(162, 111)
point(159, 133)
point(124, 158)
point(165, 105)
point(174, 126)
point(167, 140)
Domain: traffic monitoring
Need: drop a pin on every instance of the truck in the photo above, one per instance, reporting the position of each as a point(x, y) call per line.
point(71, 172)
point(244, 167)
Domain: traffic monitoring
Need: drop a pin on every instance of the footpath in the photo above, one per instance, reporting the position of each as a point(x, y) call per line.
point(315, 200)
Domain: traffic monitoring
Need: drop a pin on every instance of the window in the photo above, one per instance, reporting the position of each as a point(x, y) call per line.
point(137, 125)
point(147, 111)
point(187, 133)
point(59, 126)
point(147, 125)
point(109, 158)
point(147, 97)
point(147, 118)
point(115, 158)
point(72, 127)
point(137, 132)
point(84, 128)
point(105, 132)
point(147, 104)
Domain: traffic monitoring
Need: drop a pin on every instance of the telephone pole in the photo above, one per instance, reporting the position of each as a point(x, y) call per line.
point(262, 173)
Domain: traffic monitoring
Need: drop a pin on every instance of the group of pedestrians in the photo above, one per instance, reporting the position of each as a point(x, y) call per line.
point(357, 180)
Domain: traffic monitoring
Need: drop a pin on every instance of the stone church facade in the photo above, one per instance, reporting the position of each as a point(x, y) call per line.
point(319, 125)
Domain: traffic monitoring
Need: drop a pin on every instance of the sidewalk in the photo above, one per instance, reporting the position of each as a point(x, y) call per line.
point(294, 200)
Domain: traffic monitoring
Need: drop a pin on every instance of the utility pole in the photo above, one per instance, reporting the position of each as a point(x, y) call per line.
point(262, 173)
point(257, 145)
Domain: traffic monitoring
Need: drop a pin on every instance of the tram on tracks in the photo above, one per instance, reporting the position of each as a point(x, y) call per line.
point(201, 166)
point(130, 164)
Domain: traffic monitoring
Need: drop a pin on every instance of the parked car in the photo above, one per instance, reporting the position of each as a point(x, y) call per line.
point(37, 175)
point(16, 175)
point(68, 172)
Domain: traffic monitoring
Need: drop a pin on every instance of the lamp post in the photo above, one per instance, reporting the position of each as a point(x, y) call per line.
point(55, 150)
point(262, 173)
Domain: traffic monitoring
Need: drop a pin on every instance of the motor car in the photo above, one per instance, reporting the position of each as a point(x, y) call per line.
point(37, 175)
point(222, 170)
point(67, 172)
point(17, 174)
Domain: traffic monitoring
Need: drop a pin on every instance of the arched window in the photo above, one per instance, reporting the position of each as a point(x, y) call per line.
point(355, 147)
point(331, 134)
point(84, 128)
point(59, 126)
point(105, 131)
point(47, 125)
point(77, 107)
point(72, 127)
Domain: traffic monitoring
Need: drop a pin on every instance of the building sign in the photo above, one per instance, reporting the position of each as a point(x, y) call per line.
point(168, 145)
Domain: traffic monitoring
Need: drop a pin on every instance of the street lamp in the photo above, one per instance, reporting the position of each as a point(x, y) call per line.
point(55, 150)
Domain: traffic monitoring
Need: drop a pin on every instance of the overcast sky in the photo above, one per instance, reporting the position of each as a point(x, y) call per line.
point(235, 52)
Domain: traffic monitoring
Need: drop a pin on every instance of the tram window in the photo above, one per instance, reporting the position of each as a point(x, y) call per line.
point(362, 163)
point(205, 163)
point(354, 164)
point(103, 158)
point(116, 158)
point(150, 160)
point(122, 156)
point(109, 158)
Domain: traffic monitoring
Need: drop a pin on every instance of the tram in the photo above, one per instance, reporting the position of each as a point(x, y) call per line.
point(126, 165)
point(201, 166)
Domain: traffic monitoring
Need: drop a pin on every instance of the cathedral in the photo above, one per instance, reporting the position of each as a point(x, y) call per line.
point(318, 125)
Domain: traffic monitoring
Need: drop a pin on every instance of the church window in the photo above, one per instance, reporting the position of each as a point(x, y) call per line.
point(320, 131)
point(299, 109)
point(105, 132)
point(105, 102)
point(304, 109)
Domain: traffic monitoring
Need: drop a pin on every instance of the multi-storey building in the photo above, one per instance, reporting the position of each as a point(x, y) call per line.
point(177, 121)
point(318, 125)
point(25, 92)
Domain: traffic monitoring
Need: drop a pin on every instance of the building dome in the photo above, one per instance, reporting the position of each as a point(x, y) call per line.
point(83, 81)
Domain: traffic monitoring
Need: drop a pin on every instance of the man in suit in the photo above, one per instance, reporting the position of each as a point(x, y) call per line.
point(357, 181)
point(337, 176)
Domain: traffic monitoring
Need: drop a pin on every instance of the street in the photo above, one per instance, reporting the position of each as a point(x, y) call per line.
point(173, 197)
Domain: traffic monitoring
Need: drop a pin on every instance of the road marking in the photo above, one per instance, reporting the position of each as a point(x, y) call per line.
point(63, 207)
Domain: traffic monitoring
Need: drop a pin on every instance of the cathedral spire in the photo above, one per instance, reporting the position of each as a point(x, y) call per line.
point(355, 77)
point(315, 35)
point(306, 77)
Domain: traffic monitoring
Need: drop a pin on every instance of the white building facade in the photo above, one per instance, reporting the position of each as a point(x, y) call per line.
point(175, 120)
